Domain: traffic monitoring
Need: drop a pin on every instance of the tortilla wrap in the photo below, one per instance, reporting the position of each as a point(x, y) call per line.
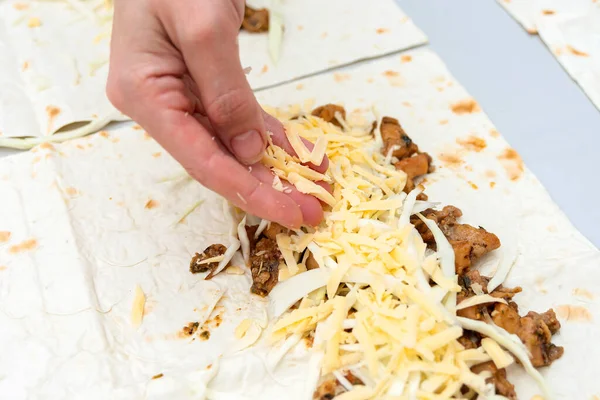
point(54, 67)
point(321, 35)
point(571, 30)
point(92, 219)
point(54, 63)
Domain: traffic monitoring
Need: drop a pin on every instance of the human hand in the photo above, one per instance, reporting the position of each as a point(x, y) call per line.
point(175, 69)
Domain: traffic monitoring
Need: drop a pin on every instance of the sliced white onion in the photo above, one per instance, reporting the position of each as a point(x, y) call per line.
point(250, 337)
point(244, 240)
point(229, 253)
point(479, 299)
point(276, 355)
point(343, 381)
point(261, 227)
point(508, 256)
point(287, 293)
point(388, 156)
point(313, 375)
point(341, 120)
point(444, 250)
point(408, 206)
point(316, 253)
point(275, 35)
point(421, 206)
point(511, 343)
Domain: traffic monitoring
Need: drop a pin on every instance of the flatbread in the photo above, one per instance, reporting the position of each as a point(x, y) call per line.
point(73, 260)
point(571, 30)
point(324, 35)
point(54, 61)
point(53, 67)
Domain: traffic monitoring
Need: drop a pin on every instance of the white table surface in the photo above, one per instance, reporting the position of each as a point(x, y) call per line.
point(532, 101)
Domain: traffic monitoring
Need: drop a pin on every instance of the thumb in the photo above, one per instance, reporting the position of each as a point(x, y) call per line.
point(213, 61)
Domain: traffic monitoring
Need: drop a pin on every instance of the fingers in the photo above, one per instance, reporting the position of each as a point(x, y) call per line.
point(200, 154)
point(209, 47)
point(312, 210)
point(279, 138)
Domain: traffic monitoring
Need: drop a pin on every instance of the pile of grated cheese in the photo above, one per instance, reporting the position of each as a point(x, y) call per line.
point(380, 305)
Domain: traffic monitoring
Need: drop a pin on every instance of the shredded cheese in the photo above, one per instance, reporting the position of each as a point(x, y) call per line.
point(137, 309)
point(401, 336)
point(242, 328)
point(501, 358)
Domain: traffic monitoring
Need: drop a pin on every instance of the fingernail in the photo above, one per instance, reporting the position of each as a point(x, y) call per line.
point(248, 147)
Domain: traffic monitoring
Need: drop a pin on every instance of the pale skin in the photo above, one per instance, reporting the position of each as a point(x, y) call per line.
point(175, 70)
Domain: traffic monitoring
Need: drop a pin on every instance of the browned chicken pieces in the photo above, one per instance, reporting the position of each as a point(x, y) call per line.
point(469, 243)
point(331, 387)
point(394, 137)
point(410, 160)
point(327, 113)
point(255, 20)
point(535, 331)
point(197, 265)
point(274, 229)
point(474, 277)
point(498, 378)
point(265, 258)
point(415, 166)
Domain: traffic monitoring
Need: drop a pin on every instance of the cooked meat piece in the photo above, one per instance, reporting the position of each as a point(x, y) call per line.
point(326, 390)
point(549, 318)
point(311, 263)
point(535, 331)
point(191, 328)
point(477, 312)
point(472, 277)
point(445, 219)
point(422, 197)
point(264, 265)
point(251, 232)
point(414, 167)
point(470, 339)
point(214, 250)
point(506, 293)
point(536, 336)
point(327, 113)
point(392, 135)
point(507, 316)
point(274, 229)
point(498, 378)
point(255, 20)
point(478, 240)
point(462, 255)
point(332, 387)
point(353, 379)
point(465, 281)
point(373, 127)
point(469, 243)
point(468, 279)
